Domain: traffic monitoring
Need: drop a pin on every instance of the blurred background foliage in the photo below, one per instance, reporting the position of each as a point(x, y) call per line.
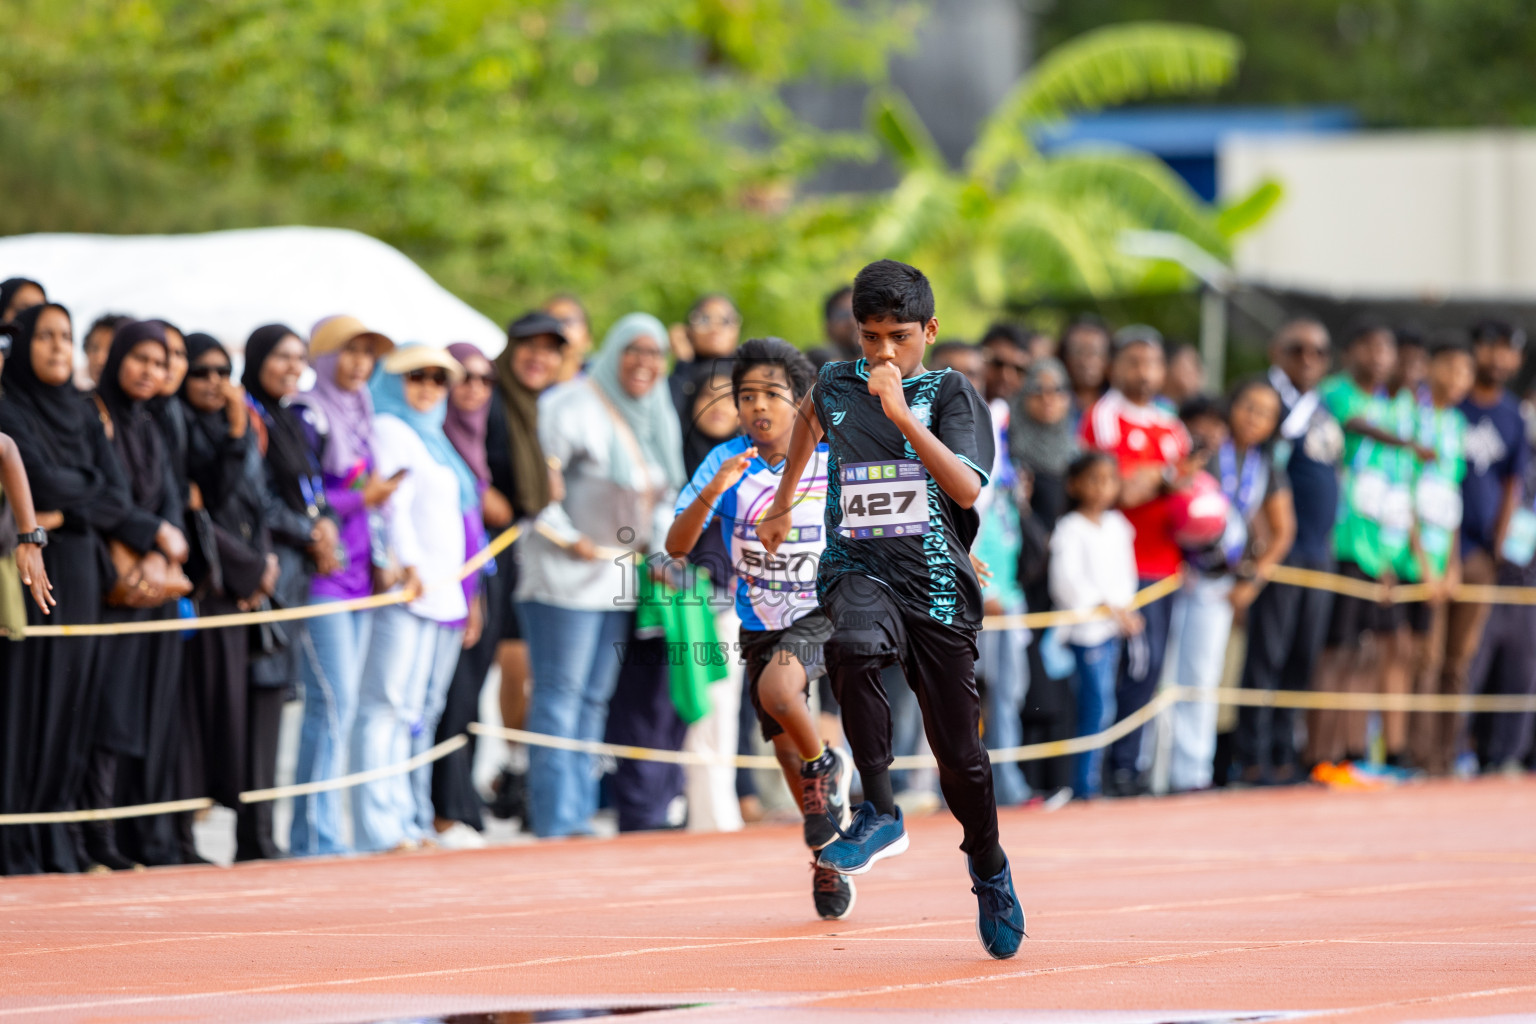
point(633, 151)
point(1399, 63)
point(640, 152)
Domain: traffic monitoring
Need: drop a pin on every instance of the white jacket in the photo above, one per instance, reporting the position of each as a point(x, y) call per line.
point(425, 517)
point(1092, 565)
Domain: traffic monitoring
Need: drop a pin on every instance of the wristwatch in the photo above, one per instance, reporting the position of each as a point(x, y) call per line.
point(38, 536)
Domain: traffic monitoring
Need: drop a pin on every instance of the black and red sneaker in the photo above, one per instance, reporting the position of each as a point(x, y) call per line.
point(824, 786)
point(833, 893)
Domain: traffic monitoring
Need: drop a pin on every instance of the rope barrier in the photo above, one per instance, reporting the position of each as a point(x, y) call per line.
point(1166, 698)
point(312, 611)
point(254, 796)
point(1045, 620)
point(1311, 579)
point(443, 749)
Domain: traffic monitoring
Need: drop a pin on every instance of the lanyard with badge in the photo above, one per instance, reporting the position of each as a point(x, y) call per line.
point(1241, 485)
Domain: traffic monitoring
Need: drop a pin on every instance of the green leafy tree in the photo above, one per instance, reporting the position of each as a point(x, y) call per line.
point(1440, 63)
point(1014, 225)
point(634, 151)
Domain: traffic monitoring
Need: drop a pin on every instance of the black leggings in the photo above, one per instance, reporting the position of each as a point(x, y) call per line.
point(872, 629)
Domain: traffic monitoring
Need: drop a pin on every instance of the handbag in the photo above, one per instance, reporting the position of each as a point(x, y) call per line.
point(136, 585)
point(139, 586)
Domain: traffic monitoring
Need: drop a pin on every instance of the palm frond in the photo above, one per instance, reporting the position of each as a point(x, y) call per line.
point(1042, 243)
point(1143, 188)
point(1102, 68)
point(897, 123)
point(923, 207)
point(1246, 213)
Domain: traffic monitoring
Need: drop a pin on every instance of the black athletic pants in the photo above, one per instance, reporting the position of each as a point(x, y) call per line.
point(1287, 627)
point(872, 629)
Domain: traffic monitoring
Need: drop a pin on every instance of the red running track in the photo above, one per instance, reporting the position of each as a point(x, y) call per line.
point(1414, 904)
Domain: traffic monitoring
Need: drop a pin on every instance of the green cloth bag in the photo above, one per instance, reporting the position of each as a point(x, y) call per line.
point(695, 654)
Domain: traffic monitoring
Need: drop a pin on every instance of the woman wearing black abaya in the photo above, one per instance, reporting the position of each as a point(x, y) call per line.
point(232, 569)
point(301, 535)
point(137, 738)
point(49, 686)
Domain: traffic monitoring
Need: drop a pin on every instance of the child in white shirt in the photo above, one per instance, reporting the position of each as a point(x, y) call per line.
point(1093, 565)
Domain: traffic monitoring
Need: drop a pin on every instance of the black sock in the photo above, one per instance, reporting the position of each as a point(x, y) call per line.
point(987, 863)
point(877, 790)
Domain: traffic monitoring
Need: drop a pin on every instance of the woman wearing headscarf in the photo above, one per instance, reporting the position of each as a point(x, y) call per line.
point(17, 294)
point(338, 413)
point(532, 363)
point(455, 802)
point(1042, 443)
point(135, 760)
point(615, 437)
point(1040, 437)
point(415, 646)
point(303, 536)
point(50, 689)
point(232, 568)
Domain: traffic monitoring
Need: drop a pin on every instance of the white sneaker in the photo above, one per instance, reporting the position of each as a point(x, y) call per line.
point(460, 836)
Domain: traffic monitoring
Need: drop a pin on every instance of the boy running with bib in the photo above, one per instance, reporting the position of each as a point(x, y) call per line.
point(906, 451)
point(782, 627)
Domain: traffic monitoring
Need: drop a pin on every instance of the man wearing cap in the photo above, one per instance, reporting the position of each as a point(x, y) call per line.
point(1150, 446)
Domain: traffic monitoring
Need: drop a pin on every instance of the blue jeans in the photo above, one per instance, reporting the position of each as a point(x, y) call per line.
point(1204, 629)
point(330, 665)
point(1097, 667)
point(1005, 667)
point(574, 656)
point(405, 680)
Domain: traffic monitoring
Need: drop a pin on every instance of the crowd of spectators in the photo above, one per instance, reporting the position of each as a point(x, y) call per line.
point(178, 477)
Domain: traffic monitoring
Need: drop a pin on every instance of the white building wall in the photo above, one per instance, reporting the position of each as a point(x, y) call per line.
point(1391, 214)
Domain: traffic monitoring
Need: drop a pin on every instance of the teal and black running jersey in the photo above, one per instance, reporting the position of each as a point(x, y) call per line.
point(886, 517)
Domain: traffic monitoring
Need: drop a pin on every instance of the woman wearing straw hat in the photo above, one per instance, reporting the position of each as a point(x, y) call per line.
point(338, 415)
point(415, 646)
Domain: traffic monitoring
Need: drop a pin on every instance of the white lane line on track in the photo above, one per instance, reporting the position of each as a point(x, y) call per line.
point(759, 1002)
point(343, 931)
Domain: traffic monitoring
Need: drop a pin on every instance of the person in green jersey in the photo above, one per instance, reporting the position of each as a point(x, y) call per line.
point(1435, 556)
point(1374, 527)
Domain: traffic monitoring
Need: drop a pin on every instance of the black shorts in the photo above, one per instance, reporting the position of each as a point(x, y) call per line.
point(1417, 614)
point(1353, 617)
point(803, 639)
point(501, 610)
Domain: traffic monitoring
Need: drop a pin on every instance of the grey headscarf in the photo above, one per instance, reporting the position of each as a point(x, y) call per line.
point(1040, 447)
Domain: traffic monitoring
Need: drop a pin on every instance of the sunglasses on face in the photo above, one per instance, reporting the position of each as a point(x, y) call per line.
point(437, 377)
point(209, 372)
point(1009, 364)
point(704, 321)
point(488, 379)
point(1306, 351)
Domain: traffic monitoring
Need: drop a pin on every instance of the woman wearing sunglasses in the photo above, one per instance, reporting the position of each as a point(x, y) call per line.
point(414, 646)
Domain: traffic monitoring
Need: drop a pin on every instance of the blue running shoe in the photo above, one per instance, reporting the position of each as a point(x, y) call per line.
point(870, 837)
point(999, 918)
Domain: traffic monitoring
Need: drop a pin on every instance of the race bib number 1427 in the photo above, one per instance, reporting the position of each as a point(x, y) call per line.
point(883, 499)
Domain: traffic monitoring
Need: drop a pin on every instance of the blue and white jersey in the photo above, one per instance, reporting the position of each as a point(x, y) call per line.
point(772, 591)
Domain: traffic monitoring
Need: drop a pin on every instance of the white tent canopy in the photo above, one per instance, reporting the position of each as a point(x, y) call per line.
point(228, 283)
